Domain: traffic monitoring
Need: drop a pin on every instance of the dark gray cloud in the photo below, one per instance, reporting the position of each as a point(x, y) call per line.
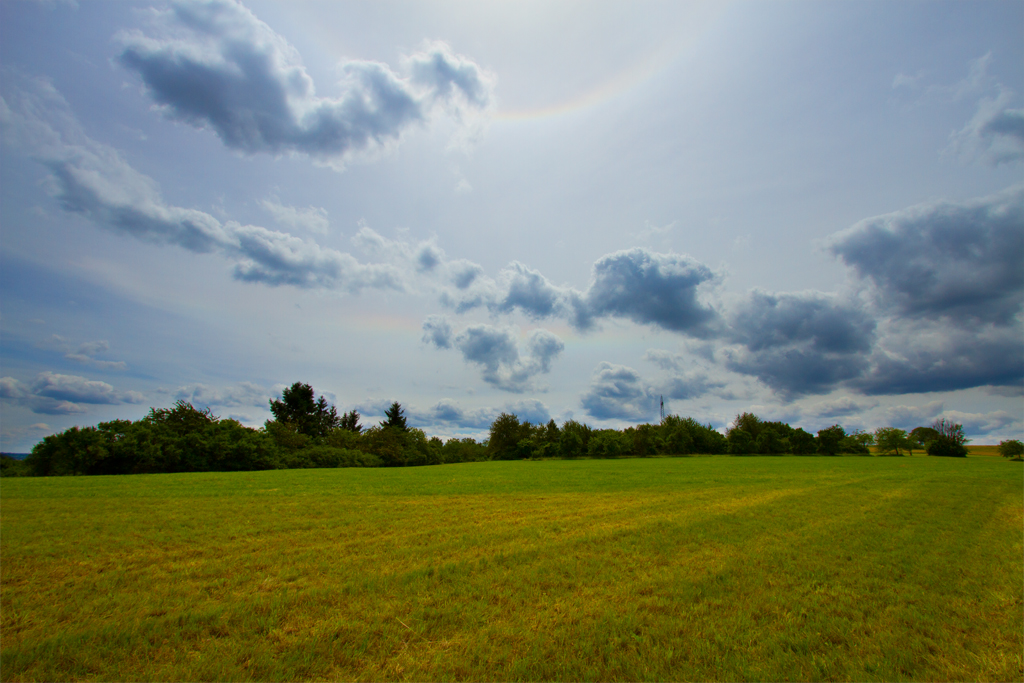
point(437, 331)
point(960, 262)
point(1009, 122)
point(618, 392)
point(55, 394)
point(215, 65)
point(766, 320)
point(428, 258)
point(799, 344)
point(464, 273)
point(688, 386)
point(650, 289)
point(530, 410)
point(947, 282)
point(497, 352)
point(925, 358)
point(447, 411)
point(529, 291)
point(446, 414)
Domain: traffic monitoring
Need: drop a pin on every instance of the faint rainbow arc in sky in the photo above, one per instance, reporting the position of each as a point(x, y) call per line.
point(644, 70)
point(623, 82)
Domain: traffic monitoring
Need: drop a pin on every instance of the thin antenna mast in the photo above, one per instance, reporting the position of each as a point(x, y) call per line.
point(663, 408)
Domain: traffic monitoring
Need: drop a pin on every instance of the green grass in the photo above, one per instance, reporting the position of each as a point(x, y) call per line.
point(665, 569)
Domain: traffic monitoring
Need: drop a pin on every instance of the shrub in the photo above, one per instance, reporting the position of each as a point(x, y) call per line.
point(950, 440)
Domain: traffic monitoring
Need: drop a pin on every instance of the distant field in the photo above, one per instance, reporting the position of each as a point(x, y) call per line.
point(983, 450)
point(972, 449)
point(711, 568)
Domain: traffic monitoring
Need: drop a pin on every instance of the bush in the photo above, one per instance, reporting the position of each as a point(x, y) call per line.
point(330, 456)
point(741, 443)
point(950, 440)
point(12, 467)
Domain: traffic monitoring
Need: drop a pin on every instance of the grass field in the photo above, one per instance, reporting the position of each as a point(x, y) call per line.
point(668, 569)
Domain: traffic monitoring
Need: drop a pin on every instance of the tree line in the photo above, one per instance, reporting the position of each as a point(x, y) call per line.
point(306, 431)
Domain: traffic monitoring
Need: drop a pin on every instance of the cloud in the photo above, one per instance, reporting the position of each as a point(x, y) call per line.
point(649, 288)
point(962, 262)
point(839, 407)
point(311, 218)
point(84, 353)
point(995, 134)
point(437, 331)
point(910, 417)
point(215, 65)
point(982, 424)
point(504, 365)
point(450, 413)
point(688, 386)
point(976, 81)
point(527, 290)
point(680, 384)
point(241, 394)
point(919, 358)
point(799, 344)
point(55, 394)
point(666, 360)
point(530, 410)
point(947, 283)
point(16, 439)
point(496, 351)
point(92, 180)
point(618, 392)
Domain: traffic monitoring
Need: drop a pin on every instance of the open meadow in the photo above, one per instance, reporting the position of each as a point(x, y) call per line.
point(694, 568)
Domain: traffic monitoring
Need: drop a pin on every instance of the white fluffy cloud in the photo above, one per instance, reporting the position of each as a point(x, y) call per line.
point(312, 218)
point(86, 353)
point(244, 394)
point(995, 134)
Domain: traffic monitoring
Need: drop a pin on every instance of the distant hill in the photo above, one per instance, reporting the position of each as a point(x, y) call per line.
point(16, 456)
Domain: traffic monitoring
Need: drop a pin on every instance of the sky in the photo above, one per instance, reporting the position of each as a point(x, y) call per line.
point(812, 211)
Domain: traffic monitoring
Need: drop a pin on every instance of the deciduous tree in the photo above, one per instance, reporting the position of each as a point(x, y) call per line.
point(1011, 449)
point(891, 440)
